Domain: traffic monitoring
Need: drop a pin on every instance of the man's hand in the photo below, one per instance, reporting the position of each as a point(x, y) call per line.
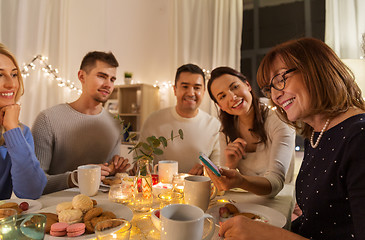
point(116, 165)
point(197, 170)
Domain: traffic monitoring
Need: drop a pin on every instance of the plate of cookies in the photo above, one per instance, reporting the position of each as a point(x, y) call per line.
point(21, 205)
point(77, 218)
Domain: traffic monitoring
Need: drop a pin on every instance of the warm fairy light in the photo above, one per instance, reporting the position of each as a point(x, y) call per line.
point(50, 72)
point(223, 200)
point(163, 85)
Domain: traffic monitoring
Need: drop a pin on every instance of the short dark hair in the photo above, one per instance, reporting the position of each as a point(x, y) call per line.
point(89, 61)
point(191, 68)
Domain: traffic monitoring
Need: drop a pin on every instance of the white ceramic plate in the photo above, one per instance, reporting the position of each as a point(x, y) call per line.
point(273, 217)
point(34, 205)
point(237, 190)
point(119, 210)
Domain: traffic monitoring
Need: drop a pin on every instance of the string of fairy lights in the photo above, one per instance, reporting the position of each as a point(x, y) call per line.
point(50, 72)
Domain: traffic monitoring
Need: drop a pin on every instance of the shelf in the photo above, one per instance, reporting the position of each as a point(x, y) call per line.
point(135, 102)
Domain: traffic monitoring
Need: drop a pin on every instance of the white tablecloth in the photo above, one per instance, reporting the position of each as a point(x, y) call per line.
point(283, 203)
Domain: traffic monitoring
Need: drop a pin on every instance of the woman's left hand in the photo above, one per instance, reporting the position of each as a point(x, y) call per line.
point(234, 152)
point(9, 116)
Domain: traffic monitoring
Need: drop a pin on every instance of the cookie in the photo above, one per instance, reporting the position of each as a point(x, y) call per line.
point(89, 227)
point(12, 205)
point(63, 206)
point(82, 202)
point(9, 205)
point(94, 202)
point(231, 208)
point(75, 230)
point(108, 214)
point(111, 181)
point(94, 212)
point(95, 220)
point(102, 224)
point(51, 218)
point(59, 229)
point(70, 216)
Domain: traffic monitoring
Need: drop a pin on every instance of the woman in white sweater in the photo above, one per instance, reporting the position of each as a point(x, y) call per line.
point(253, 139)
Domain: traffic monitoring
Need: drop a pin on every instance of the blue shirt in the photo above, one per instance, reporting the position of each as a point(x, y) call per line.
point(20, 170)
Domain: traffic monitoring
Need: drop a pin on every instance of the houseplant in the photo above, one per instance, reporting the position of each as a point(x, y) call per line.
point(128, 77)
point(144, 152)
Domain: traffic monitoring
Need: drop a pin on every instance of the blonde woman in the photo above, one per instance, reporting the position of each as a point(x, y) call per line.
point(20, 170)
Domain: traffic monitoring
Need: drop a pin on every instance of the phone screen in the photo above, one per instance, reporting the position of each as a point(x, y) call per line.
point(207, 162)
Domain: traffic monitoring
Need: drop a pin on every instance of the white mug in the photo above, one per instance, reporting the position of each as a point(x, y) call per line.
point(183, 221)
point(198, 191)
point(88, 177)
point(166, 170)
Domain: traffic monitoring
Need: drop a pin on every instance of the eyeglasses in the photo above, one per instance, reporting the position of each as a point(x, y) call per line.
point(277, 82)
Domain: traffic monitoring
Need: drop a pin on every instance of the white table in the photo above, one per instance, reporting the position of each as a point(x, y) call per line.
point(143, 227)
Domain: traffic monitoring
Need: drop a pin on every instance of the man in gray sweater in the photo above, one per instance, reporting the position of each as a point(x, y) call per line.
point(82, 132)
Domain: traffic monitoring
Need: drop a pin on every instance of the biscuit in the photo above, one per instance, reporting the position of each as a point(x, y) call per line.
point(94, 212)
point(63, 206)
point(94, 202)
point(89, 227)
point(70, 216)
point(12, 205)
point(51, 218)
point(231, 208)
point(248, 215)
point(111, 181)
point(75, 230)
point(58, 229)
point(108, 214)
point(82, 202)
point(9, 205)
point(95, 220)
point(103, 225)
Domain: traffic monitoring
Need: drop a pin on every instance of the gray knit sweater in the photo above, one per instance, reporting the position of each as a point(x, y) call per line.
point(65, 139)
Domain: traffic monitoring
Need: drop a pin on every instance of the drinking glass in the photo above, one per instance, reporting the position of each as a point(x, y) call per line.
point(113, 229)
point(178, 182)
point(32, 226)
point(168, 198)
point(7, 223)
point(121, 193)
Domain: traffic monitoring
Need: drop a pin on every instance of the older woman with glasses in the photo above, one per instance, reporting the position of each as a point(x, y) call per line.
point(321, 99)
point(253, 139)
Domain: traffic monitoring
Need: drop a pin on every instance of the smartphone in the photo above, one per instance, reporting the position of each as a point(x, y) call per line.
point(207, 162)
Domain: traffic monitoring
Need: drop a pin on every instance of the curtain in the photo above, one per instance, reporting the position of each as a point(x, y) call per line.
point(345, 24)
point(28, 28)
point(207, 33)
point(149, 38)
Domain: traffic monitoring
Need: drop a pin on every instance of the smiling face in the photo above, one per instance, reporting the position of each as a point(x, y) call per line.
point(189, 92)
point(294, 99)
point(9, 82)
point(98, 83)
point(232, 94)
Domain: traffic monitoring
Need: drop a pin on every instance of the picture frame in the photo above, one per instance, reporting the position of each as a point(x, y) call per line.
point(112, 106)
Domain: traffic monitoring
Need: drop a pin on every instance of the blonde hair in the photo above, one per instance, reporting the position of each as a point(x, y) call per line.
point(330, 83)
point(5, 51)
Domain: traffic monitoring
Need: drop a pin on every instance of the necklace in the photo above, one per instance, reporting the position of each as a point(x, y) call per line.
point(320, 135)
